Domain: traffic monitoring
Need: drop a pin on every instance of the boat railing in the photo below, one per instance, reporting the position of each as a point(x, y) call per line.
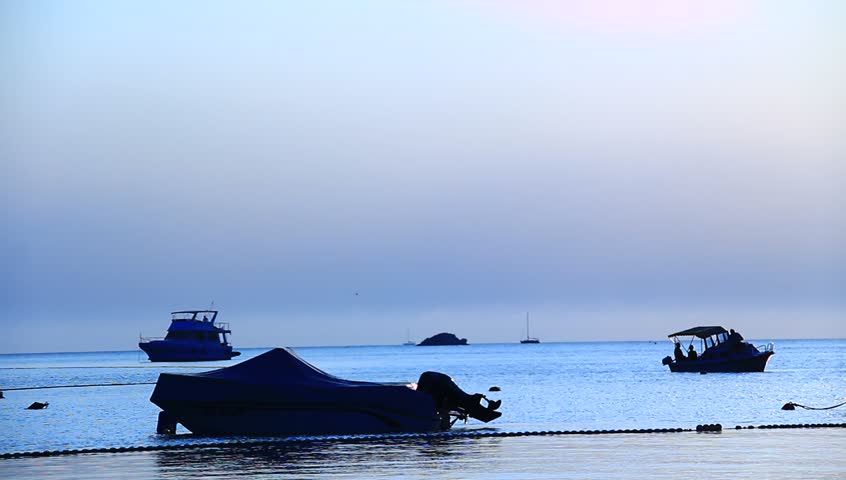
point(766, 348)
point(149, 339)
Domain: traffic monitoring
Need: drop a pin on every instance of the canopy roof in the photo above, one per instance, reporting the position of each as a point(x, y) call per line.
point(701, 332)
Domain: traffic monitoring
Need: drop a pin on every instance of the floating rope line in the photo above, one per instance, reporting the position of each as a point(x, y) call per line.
point(80, 386)
point(399, 436)
point(102, 366)
point(792, 406)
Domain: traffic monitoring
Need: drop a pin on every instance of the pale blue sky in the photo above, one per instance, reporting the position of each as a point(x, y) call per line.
point(621, 170)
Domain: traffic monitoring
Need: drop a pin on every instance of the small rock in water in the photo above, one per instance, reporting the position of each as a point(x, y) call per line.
point(37, 405)
point(493, 389)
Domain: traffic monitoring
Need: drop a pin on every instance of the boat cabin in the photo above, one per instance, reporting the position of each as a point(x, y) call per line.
point(708, 336)
point(197, 326)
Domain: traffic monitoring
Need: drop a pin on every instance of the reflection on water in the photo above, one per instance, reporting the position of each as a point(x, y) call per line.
point(758, 454)
point(328, 458)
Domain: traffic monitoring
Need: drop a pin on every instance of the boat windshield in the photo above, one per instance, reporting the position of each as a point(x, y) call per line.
point(193, 335)
point(198, 315)
point(707, 341)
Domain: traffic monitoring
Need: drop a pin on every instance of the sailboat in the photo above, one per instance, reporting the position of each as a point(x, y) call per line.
point(528, 339)
point(408, 342)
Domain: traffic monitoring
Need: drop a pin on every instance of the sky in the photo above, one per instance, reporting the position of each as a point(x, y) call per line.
point(350, 173)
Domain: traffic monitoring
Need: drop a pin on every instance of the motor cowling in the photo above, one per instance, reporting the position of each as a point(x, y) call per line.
point(166, 424)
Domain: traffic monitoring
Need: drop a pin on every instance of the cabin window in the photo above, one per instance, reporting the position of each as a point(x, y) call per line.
point(178, 335)
point(193, 336)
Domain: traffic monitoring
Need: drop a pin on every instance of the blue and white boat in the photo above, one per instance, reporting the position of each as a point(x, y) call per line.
point(720, 351)
point(278, 393)
point(193, 336)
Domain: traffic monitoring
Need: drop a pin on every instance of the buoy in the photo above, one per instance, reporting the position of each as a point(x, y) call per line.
point(493, 389)
point(789, 406)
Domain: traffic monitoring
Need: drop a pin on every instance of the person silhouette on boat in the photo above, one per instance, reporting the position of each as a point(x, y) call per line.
point(678, 353)
point(734, 337)
point(691, 353)
point(735, 341)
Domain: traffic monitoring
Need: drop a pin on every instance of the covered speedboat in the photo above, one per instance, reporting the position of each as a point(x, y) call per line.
point(278, 393)
point(720, 351)
point(193, 336)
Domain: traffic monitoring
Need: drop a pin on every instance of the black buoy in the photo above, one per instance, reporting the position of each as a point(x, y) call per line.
point(710, 427)
point(37, 405)
point(789, 406)
point(494, 389)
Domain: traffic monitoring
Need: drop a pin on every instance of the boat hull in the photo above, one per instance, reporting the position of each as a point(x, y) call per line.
point(240, 409)
point(174, 351)
point(753, 363)
point(282, 419)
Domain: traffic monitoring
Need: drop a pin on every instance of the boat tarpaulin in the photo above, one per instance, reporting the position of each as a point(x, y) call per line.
point(279, 366)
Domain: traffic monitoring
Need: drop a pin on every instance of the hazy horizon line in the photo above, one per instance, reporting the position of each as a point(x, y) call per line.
point(774, 340)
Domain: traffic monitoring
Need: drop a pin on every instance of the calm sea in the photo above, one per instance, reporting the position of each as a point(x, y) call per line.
point(550, 386)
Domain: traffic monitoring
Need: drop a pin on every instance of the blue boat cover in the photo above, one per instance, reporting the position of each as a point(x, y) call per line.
point(279, 366)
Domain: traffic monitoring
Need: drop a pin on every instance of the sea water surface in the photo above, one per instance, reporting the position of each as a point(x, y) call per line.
point(549, 386)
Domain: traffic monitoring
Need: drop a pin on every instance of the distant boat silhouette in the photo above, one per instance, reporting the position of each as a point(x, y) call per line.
point(408, 342)
point(192, 336)
point(528, 339)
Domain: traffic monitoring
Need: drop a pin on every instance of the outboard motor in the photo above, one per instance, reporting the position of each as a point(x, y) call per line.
point(166, 424)
point(667, 360)
point(450, 399)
